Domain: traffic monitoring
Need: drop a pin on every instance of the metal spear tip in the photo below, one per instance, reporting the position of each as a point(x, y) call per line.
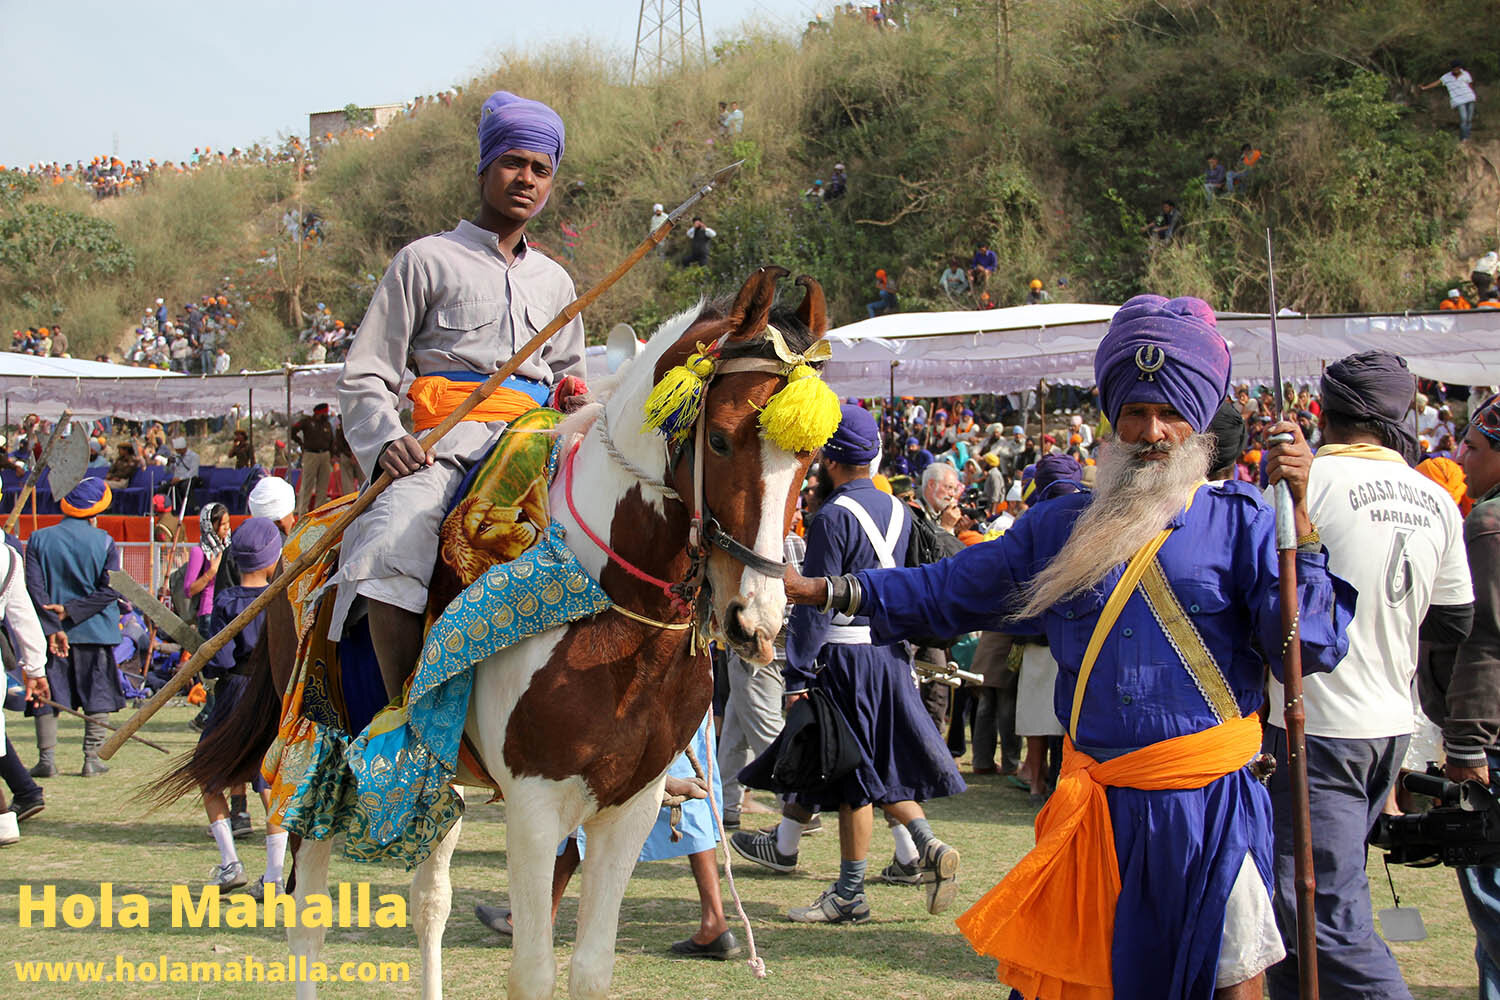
point(719, 177)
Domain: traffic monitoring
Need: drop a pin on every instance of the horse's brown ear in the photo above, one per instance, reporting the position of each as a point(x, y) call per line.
point(813, 312)
point(747, 317)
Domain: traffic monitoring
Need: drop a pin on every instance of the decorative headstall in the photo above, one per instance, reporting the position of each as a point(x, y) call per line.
point(801, 416)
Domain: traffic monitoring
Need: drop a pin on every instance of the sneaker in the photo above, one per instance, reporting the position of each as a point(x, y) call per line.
point(226, 877)
point(831, 908)
point(897, 873)
point(27, 808)
point(10, 833)
point(239, 825)
point(812, 826)
point(939, 866)
point(257, 890)
point(761, 848)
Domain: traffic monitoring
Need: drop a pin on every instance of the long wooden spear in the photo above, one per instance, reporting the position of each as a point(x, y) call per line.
point(35, 473)
point(1291, 683)
point(335, 531)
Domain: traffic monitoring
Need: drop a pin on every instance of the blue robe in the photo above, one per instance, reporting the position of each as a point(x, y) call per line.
point(903, 756)
point(1178, 851)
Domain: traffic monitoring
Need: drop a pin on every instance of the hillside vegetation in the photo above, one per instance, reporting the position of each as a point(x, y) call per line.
point(1051, 129)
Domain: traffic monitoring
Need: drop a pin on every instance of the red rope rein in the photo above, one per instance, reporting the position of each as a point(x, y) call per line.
point(619, 560)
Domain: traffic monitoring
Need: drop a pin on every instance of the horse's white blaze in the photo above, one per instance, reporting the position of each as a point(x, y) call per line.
point(763, 597)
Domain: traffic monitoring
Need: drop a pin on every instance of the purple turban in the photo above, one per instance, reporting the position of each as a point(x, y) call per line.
point(1377, 387)
point(510, 122)
point(857, 440)
point(255, 544)
point(90, 497)
point(1163, 351)
point(1056, 476)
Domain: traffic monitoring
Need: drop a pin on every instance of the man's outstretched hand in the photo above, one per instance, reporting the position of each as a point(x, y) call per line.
point(803, 589)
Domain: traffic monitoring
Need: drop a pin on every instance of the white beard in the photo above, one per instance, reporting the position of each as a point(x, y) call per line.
point(1134, 498)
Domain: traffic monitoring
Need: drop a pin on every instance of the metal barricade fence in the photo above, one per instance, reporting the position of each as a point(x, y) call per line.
point(135, 560)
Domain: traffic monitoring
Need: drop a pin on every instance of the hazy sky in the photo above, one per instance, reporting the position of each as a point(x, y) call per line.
point(154, 78)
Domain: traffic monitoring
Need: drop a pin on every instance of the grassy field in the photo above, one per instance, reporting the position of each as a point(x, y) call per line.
point(93, 832)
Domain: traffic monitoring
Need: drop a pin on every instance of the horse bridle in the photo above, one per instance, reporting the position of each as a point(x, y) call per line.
point(704, 527)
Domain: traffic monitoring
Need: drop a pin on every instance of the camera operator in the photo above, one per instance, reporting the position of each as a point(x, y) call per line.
point(1470, 713)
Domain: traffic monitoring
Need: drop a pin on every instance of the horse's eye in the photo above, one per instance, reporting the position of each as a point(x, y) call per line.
point(718, 442)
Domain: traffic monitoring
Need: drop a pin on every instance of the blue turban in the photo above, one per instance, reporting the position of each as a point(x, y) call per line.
point(857, 440)
point(1056, 476)
point(1028, 478)
point(90, 497)
point(1163, 351)
point(255, 544)
point(510, 122)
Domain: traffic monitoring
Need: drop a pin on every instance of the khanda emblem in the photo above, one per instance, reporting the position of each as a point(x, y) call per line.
point(1149, 358)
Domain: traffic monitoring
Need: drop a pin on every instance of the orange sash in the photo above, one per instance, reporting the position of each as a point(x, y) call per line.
point(433, 397)
point(1050, 921)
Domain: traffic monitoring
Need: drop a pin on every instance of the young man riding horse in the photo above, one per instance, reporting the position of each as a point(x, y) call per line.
point(456, 305)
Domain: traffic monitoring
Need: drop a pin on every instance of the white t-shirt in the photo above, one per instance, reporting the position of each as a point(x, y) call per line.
point(1460, 87)
point(1398, 538)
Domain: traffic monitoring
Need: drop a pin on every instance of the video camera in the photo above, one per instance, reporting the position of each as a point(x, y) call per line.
point(1462, 830)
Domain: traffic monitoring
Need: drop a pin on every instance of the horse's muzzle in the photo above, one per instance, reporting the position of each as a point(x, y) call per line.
point(754, 645)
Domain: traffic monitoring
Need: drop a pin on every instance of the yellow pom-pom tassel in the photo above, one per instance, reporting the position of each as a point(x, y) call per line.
point(804, 414)
point(673, 405)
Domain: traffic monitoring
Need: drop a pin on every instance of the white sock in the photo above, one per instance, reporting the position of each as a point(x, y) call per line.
point(906, 848)
point(275, 856)
point(788, 835)
point(220, 829)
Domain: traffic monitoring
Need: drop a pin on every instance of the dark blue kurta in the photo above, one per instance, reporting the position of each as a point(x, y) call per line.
point(1178, 851)
point(902, 754)
point(230, 685)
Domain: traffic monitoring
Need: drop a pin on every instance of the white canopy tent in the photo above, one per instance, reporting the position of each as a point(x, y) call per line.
point(47, 386)
point(1010, 350)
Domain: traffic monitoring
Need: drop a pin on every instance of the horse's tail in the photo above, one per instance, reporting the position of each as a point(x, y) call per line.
point(231, 752)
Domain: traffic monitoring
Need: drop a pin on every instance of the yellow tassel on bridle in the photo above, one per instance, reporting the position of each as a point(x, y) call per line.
point(673, 405)
point(804, 414)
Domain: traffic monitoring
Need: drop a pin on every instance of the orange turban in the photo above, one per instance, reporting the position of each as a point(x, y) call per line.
point(1450, 476)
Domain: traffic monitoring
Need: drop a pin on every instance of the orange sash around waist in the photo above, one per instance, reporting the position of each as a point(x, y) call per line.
point(1050, 921)
point(433, 397)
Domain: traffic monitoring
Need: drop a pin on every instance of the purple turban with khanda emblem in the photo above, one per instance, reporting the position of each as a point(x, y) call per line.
point(510, 122)
point(1162, 350)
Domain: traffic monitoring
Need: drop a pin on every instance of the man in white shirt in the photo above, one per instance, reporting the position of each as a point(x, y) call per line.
point(1460, 95)
point(1398, 538)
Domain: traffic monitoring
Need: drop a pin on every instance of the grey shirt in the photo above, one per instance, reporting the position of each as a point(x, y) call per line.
point(451, 302)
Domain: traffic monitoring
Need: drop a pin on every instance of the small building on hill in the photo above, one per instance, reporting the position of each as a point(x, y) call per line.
point(321, 123)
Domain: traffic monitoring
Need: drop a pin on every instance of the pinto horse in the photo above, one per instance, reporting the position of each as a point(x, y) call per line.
point(578, 725)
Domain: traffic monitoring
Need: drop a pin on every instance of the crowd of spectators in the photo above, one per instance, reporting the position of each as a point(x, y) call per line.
point(196, 341)
point(42, 341)
point(327, 339)
point(107, 175)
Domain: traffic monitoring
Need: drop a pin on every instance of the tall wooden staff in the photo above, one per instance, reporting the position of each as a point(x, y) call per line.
point(335, 531)
point(1291, 683)
point(35, 473)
